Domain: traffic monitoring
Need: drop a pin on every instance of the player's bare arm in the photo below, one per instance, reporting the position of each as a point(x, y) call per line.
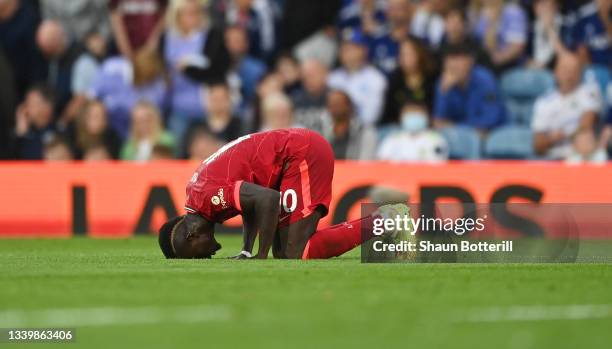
point(249, 234)
point(260, 208)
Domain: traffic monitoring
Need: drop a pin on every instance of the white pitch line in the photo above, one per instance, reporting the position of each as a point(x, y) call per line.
point(538, 313)
point(110, 316)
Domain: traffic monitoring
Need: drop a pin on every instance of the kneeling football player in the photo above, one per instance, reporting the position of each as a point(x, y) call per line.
point(280, 182)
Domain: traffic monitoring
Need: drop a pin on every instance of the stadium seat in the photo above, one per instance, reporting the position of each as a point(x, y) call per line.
point(464, 142)
point(520, 88)
point(510, 142)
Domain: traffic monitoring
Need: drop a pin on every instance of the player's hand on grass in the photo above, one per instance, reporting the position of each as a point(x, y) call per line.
point(242, 255)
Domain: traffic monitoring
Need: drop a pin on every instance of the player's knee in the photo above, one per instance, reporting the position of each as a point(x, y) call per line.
point(293, 253)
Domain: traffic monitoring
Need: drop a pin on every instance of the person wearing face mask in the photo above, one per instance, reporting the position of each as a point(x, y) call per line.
point(414, 141)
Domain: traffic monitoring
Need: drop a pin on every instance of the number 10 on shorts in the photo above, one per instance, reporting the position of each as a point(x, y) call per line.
point(288, 200)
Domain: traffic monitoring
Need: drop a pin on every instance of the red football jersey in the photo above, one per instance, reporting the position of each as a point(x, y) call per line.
point(263, 159)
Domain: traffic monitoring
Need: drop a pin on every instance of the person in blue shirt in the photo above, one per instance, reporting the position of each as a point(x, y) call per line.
point(592, 34)
point(364, 15)
point(383, 46)
point(383, 50)
point(467, 94)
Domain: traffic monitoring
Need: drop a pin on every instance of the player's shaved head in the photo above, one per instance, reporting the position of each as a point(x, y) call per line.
point(188, 236)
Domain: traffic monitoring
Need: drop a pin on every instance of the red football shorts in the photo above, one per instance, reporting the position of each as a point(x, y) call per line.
point(306, 182)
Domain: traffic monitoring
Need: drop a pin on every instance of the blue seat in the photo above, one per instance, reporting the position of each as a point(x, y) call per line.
point(520, 88)
point(463, 142)
point(510, 142)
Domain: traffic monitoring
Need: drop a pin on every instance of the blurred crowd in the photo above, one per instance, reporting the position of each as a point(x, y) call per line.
point(396, 80)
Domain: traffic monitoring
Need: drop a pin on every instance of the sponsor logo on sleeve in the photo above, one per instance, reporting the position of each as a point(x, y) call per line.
point(221, 198)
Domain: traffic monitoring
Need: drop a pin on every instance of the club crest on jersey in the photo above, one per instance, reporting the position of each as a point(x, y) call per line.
point(215, 200)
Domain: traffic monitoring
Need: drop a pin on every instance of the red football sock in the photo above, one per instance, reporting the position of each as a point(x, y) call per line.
point(338, 239)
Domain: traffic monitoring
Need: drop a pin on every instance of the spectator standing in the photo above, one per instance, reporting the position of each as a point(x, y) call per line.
point(414, 142)
point(137, 24)
point(194, 53)
point(147, 132)
point(592, 33)
point(365, 84)
point(547, 33)
point(34, 125)
point(383, 46)
point(257, 17)
point(79, 18)
point(368, 16)
point(53, 42)
point(310, 100)
point(572, 107)
point(349, 137)
point(467, 94)
point(18, 23)
point(502, 28)
point(413, 80)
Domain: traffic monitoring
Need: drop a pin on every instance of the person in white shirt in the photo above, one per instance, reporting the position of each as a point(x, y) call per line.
point(572, 107)
point(365, 84)
point(414, 142)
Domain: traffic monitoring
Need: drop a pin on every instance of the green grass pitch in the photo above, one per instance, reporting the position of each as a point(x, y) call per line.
point(123, 294)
